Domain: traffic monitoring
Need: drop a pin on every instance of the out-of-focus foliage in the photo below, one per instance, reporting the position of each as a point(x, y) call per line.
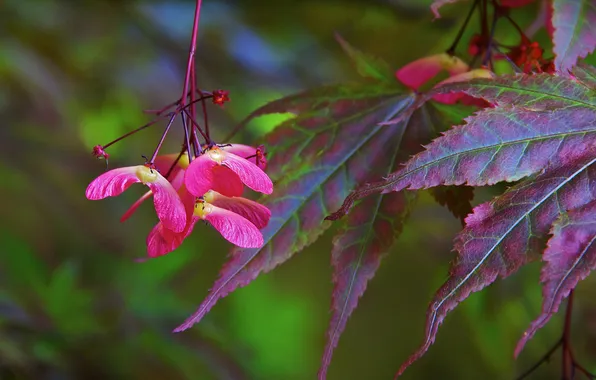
point(73, 302)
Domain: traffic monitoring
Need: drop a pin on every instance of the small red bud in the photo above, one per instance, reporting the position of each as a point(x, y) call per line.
point(99, 152)
point(220, 97)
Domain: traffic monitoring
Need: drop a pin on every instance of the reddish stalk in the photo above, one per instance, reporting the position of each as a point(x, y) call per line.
point(191, 54)
point(196, 125)
point(187, 137)
point(569, 363)
point(163, 137)
point(460, 33)
point(192, 104)
point(205, 95)
point(131, 133)
point(164, 109)
point(567, 368)
point(193, 91)
point(205, 118)
point(175, 163)
point(488, 57)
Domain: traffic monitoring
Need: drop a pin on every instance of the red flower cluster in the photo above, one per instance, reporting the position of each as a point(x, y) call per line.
point(528, 57)
point(209, 188)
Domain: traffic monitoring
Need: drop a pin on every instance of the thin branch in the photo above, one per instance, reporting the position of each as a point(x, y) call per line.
point(460, 33)
point(191, 53)
point(132, 132)
point(542, 360)
point(568, 361)
point(163, 137)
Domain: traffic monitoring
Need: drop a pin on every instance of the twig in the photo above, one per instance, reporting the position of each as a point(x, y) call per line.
point(545, 358)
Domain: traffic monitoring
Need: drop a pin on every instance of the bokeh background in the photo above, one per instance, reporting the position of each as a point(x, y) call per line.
point(73, 302)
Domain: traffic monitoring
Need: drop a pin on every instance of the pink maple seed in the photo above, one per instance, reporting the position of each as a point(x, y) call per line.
point(420, 71)
point(254, 212)
point(233, 227)
point(160, 240)
point(176, 177)
point(221, 171)
point(168, 206)
point(171, 162)
point(254, 155)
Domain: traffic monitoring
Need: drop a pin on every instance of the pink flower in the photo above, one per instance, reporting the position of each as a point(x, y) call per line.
point(176, 178)
point(225, 172)
point(237, 219)
point(254, 155)
point(168, 206)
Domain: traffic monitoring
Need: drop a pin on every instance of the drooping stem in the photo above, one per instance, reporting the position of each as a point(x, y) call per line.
point(460, 33)
point(515, 67)
point(545, 358)
point(187, 137)
point(489, 43)
point(131, 132)
point(569, 364)
point(192, 104)
point(163, 137)
point(517, 27)
point(193, 90)
point(205, 118)
point(173, 165)
point(197, 127)
point(206, 95)
point(164, 109)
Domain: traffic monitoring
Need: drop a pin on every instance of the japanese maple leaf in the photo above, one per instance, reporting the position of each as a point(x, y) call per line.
point(323, 153)
point(574, 36)
point(336, 141)
point(371, 229)
point(569, 257)
point(542, 127)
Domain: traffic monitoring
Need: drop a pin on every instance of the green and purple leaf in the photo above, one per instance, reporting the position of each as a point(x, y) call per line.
point(574, 37)
point(330, 148)
point(507, 143)
point(375, 223)
point(541, 92)
point(586, 75)
point(508, 232)
point(358, 249)
point(569, 258)
point(541, 126)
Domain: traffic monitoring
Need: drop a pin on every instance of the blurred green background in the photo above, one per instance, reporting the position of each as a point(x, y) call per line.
point(73, 302)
